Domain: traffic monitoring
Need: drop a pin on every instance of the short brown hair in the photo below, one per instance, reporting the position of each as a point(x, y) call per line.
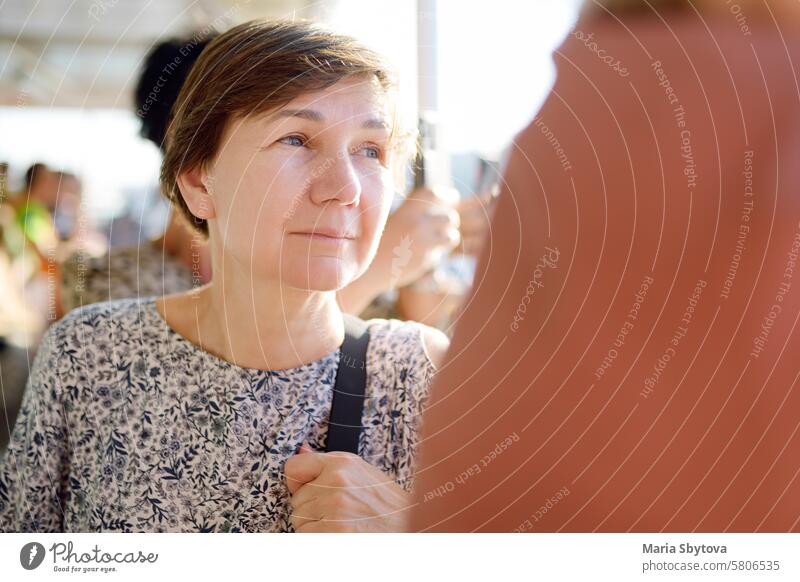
point(254, 68)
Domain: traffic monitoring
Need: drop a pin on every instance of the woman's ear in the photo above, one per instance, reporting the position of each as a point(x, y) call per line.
point(195, 187)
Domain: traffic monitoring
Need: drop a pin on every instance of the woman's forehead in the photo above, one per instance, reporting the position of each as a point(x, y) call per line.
point(355, 103)
point(357, 100)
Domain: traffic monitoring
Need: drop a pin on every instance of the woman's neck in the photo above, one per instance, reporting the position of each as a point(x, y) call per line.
point(256, 324)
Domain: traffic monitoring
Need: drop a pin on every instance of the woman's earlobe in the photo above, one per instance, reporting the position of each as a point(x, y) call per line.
point(196, 188)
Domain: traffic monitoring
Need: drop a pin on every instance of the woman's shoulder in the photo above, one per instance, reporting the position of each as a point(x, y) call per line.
point(95, 320)
point(117, 309)
point(408, 341)
point(88, 342)
point(401, 367)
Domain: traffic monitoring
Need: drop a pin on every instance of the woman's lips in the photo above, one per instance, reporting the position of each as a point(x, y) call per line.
point(325, 237)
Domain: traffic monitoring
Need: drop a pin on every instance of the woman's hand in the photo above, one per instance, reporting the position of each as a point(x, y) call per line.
point(340, 492)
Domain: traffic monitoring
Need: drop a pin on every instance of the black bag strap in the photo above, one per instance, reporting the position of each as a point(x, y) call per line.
point(344, 426)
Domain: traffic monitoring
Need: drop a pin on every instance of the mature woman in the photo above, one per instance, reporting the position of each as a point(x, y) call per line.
point(179, 413)
point(176, 261)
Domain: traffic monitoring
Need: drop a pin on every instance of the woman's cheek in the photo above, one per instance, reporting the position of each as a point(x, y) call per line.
point(374, 220)
point(246, 229)
point(379, 189)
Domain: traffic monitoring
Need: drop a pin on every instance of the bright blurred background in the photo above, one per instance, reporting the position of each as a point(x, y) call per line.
point(68, 69)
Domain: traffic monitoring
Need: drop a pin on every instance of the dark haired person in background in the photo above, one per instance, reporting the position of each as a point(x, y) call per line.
point(175, 261)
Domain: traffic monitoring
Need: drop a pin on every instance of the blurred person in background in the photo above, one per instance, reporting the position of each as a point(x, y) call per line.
point(17, 323)
point(34, 209)
point(175, 261)
point(41, 186)
point(627, 363)
point(28, 281)
point(428, 296)
point(31, 239)
point(67, 213)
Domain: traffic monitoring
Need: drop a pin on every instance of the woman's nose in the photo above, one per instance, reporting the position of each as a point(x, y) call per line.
point(336, 180)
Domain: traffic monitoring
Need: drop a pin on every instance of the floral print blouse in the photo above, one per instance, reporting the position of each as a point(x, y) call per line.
point(127, 426)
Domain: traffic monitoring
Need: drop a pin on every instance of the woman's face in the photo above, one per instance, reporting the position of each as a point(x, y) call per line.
point(302, 194)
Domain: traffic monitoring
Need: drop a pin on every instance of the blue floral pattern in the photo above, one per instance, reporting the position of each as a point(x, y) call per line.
point(127, 426)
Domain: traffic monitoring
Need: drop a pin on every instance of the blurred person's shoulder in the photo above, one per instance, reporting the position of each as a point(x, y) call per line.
point(122, 272)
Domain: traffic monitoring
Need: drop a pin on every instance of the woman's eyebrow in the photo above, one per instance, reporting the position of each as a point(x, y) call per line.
point(308, 114)
point(312, 115)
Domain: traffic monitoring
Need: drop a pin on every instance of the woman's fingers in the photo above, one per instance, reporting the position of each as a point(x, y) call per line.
point(347, 495)
point(301, 469)
point(304, 448)
point(305, 511)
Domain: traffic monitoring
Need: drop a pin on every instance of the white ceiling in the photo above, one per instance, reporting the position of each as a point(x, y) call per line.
point(87, 53)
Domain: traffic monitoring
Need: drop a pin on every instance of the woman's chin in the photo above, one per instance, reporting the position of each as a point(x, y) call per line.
point(320, 274)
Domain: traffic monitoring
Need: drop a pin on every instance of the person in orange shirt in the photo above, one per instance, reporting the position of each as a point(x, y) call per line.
point(625, 362)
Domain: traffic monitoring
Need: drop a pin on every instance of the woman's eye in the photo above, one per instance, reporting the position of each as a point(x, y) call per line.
point(372, 152)
point(293, 140)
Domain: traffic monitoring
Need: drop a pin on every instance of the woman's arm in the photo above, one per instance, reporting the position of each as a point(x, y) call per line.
point(33, 467)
